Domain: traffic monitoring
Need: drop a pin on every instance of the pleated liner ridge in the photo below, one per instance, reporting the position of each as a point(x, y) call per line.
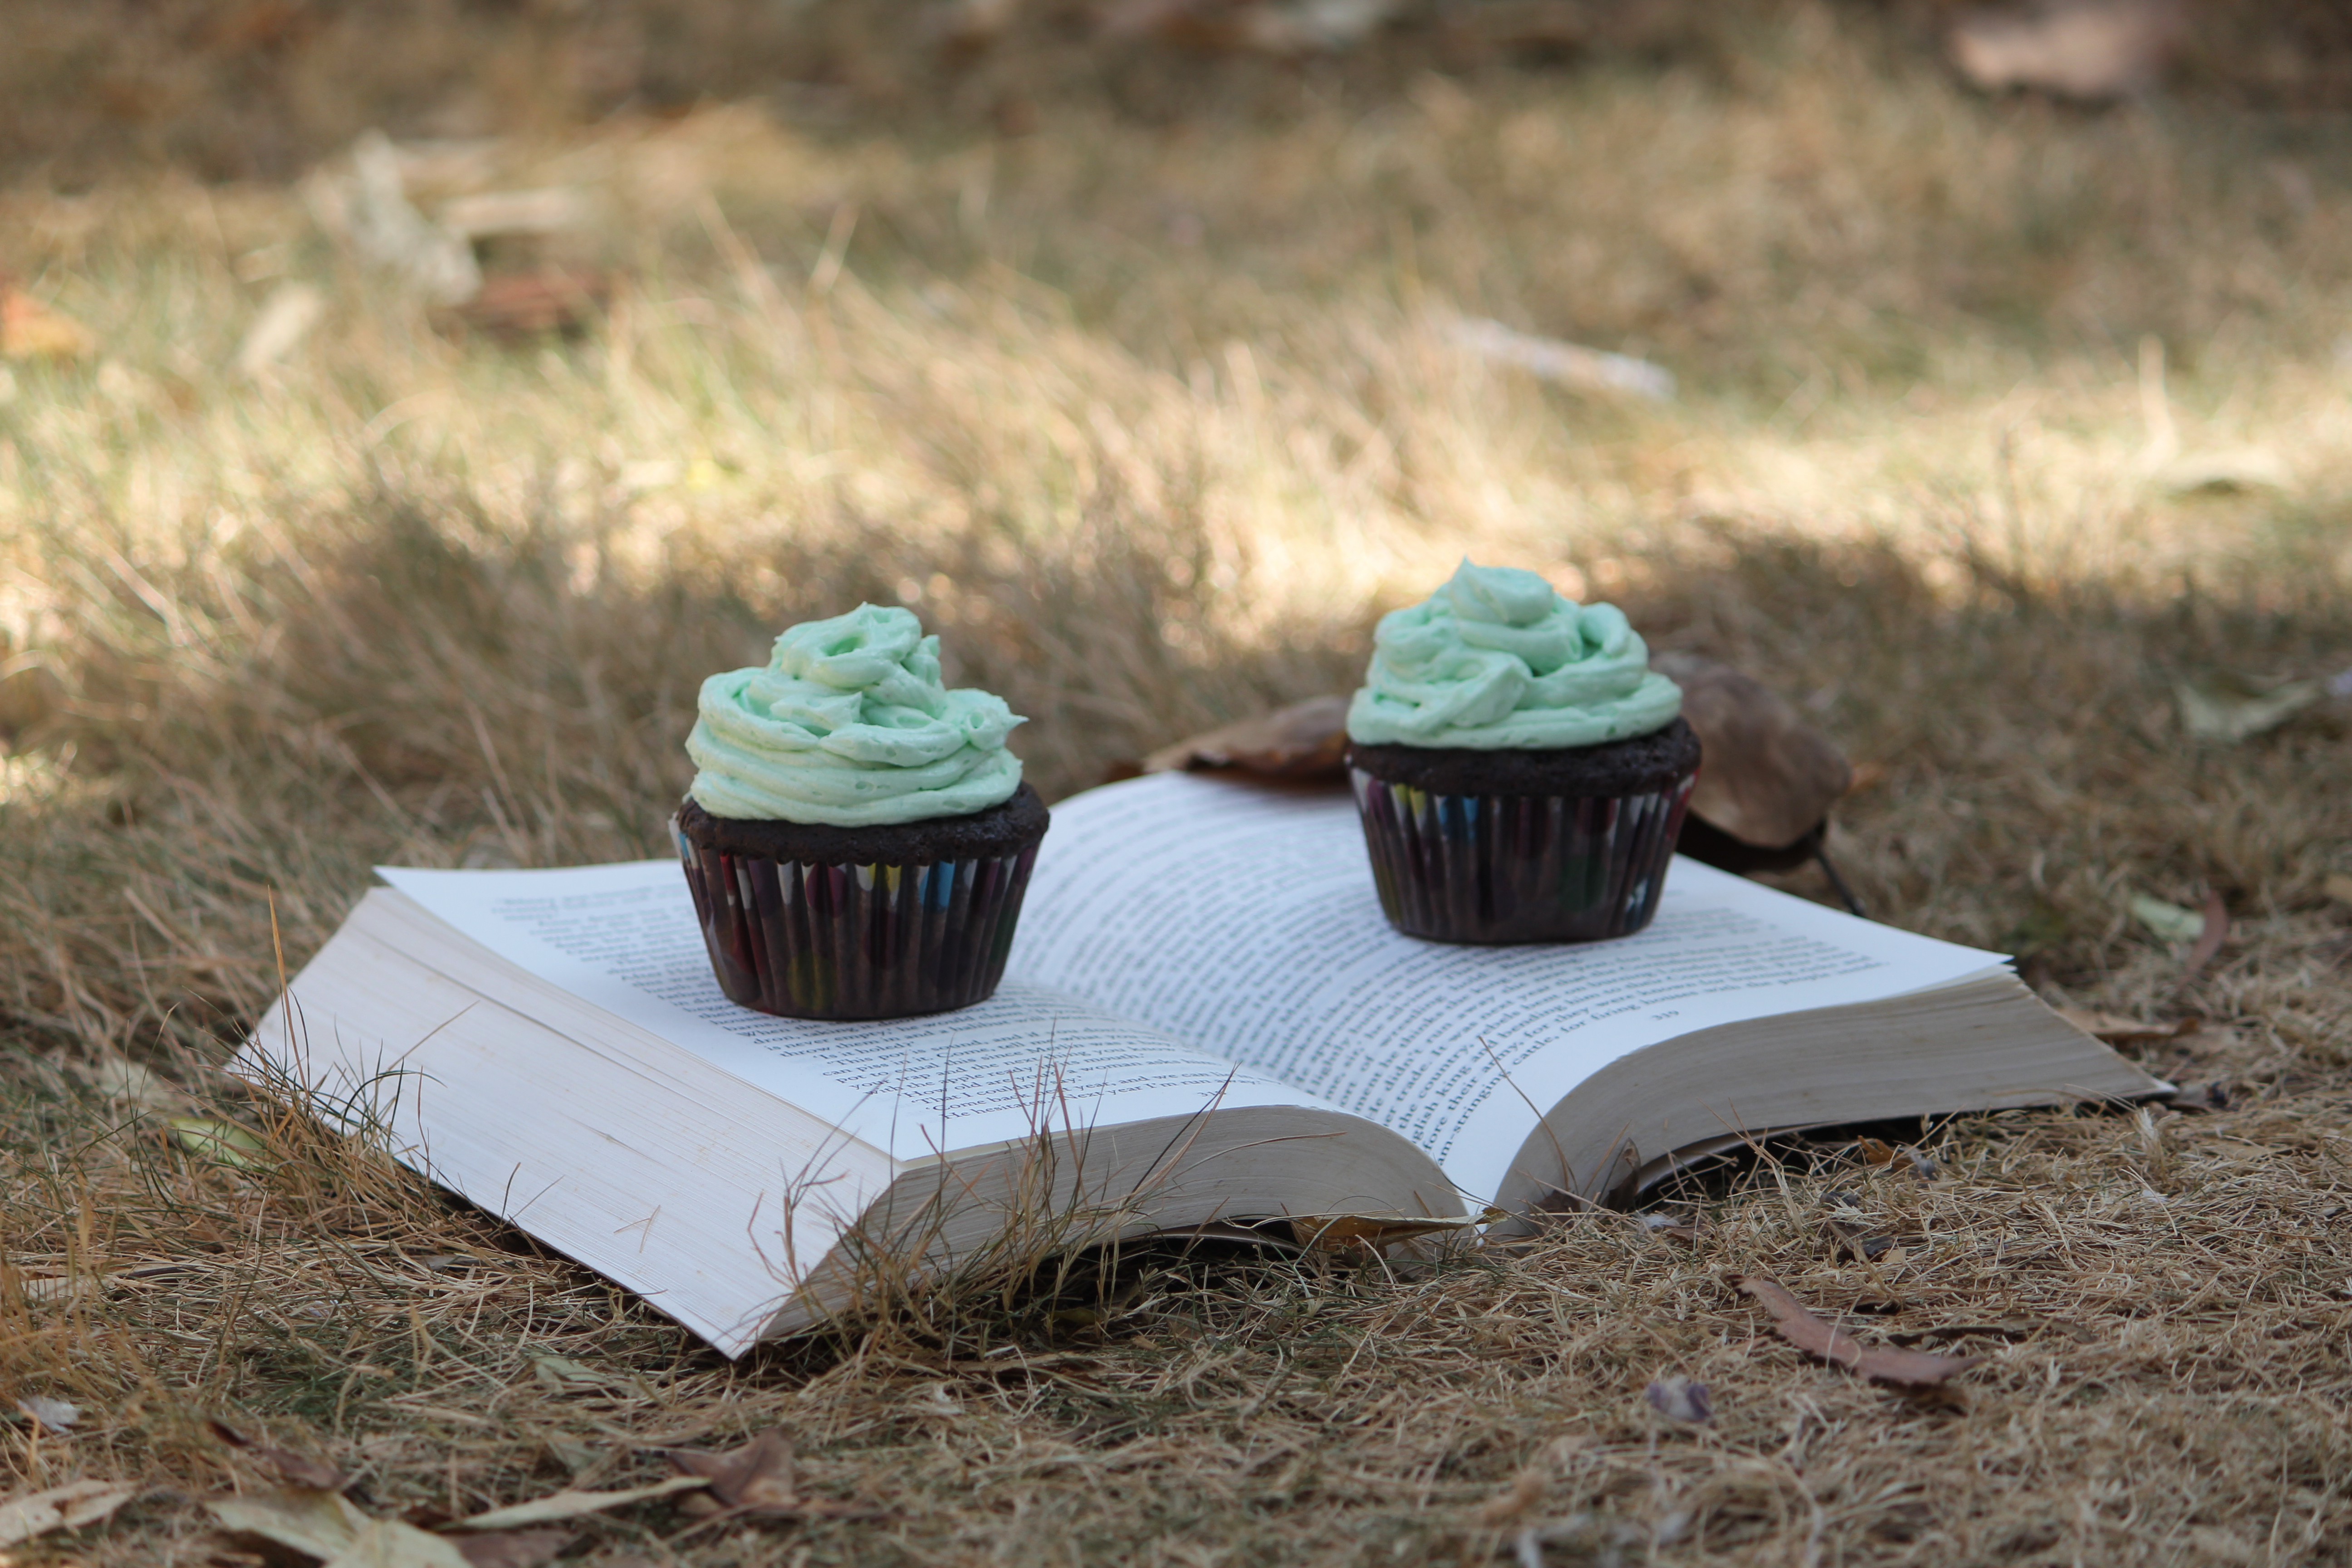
point(815, 940)
point(1511, 868)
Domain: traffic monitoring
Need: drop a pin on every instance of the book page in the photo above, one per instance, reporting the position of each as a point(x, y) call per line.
point(624, 938)
point(1241, 917)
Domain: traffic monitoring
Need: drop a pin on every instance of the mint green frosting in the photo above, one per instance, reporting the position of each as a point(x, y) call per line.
point(1497, 660)
point(848, 725)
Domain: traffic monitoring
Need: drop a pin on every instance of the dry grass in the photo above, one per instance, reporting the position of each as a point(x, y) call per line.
point(1151, 419)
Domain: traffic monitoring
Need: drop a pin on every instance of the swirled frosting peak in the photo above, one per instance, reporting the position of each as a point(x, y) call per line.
point(848, 724)
point(1497, 660)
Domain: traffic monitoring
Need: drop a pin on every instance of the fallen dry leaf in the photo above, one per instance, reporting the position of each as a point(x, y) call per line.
point(515, 305)
point(1856, 1242)
point(1874, 1151)
point(1563, 363)
point(369, 209)
point(278, 328)
point(563, 1505)
point(2211, 935)
point(30, 330)
point(2228, 473)
point(2338, 887)
point(513, 1548)
point(2224, 707)
point(328, 1525)
point(2201, 1098)
point(561, 1374)
point(2118, 1030)
point(1281, 27)
point(487, 215)
point(1305, 740)
point(1680, 1398)
point(67, 1507)
point(2088, 49)
point(2168, 921)
point(294, 1469)
point(1767, 777)
point(1826, 1341)
point(223, 1142)
point(49, 1414)
point(756, 1479)
point(1526, 1490)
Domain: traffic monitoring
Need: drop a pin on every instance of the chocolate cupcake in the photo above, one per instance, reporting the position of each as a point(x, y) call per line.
point(858, 837)
point(1520, 770)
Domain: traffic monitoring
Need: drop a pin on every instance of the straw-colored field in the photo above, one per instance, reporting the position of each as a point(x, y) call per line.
point(1995, 421)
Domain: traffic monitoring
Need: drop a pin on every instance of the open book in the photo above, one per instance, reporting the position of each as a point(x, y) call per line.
point(1206, 1020)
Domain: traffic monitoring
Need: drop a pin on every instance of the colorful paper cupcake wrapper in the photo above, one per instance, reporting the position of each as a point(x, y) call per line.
point(807, 939)
point(1504, 868)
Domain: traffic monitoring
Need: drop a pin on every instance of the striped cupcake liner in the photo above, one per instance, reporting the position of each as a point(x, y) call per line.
point(1507, 869)
point(815, 940)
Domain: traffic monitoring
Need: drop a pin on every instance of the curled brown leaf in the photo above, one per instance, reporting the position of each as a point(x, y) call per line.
point(1305, 740)
point(294, 1469)
point(2216, 932)
point(757, 1478)
point(1768, 777)
point(513, 1548)
point(1826, 1341)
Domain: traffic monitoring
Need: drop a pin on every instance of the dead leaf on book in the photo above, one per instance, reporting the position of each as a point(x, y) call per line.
point(68, 1507)
point(1768, 777)
point(558, 1506)
point(2223, 707)
point(1305, 740)
point(2118, 1030)
point(296, 1469)
point(1826, 1341)
point(756, 1479)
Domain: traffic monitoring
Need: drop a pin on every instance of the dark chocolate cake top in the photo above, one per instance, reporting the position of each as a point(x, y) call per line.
point(1613, 768)
point(997, 830)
